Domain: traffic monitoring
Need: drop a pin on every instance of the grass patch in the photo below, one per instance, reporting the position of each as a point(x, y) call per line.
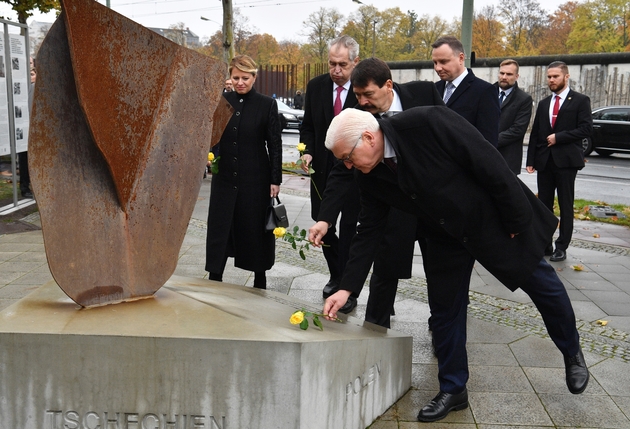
point(581, 212)
point(6, 189)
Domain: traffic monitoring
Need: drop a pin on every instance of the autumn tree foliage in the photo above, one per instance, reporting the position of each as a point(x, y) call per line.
point(25, 8)
point(509, 28)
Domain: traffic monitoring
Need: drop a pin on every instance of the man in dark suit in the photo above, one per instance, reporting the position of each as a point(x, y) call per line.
point(555, 149)
point(326, 95)
point(378, 94)
point(463, 92)
point(430, 162)
point(516, 111)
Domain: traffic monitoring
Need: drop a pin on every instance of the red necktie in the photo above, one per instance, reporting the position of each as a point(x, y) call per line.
point(556, 107)
point(337, 106)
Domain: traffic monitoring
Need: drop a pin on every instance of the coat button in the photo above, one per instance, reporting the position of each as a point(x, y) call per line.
point(238, 113)
point(240, 101)
point(234, 129)
point(234, 174)
point(442, 222)
point(234, 158)
point(413, 196)
point(234, 143)
point(465, 239)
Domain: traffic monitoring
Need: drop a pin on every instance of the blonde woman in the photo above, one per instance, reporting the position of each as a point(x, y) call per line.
point(249, 174)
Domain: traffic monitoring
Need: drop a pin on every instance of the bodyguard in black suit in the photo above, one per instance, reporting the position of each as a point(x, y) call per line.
point(516, 111)
point(319, 110)
point(431, 163)
point(372, 84)
point(473, 98)
point(555, 149)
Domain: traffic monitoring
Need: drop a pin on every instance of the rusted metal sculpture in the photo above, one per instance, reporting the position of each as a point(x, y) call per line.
point(122, 123)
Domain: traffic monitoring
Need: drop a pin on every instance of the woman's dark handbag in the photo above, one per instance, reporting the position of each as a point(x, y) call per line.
point(276, 216)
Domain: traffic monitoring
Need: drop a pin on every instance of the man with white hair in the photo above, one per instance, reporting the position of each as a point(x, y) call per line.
point(431, 162)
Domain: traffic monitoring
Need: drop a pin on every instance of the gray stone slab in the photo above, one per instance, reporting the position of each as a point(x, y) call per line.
point(537, 352)
point(201, 350)
point(608, 296)
point(9, 276)
point(498, 379)
point(481, 331)
point(619, 322)
point(623, 402)
point(583, 410)
point(17, 291)
point(490, 354)
point(614, 308)
point(18, 247)
point(33, 278)
point(20, 266)
point(587, 310)
point(550, 380)
point(7, 256)
point(508, 409)
point(613, 376)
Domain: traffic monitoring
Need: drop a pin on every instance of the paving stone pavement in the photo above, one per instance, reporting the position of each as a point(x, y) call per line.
point(517, 374)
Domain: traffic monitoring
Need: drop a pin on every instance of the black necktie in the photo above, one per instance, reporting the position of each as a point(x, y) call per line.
point(502, 97)
point(391, 164)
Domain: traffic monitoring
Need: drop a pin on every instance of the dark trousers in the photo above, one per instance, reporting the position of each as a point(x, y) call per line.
point(25, 178)
point(381, 300)
point(337, 247)
point(553, 178)
point(448, 285)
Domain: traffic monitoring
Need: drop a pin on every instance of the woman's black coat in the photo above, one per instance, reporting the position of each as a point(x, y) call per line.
point(250, 152)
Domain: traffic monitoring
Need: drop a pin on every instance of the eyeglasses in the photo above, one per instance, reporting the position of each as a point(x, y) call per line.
point(347, 158)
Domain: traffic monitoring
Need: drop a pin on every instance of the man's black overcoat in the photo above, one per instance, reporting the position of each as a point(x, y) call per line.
point(458, 185)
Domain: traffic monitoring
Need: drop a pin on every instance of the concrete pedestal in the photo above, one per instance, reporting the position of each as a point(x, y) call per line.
point(198, 354)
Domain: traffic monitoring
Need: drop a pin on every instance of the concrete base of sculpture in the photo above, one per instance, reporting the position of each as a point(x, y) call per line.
point(199, 354)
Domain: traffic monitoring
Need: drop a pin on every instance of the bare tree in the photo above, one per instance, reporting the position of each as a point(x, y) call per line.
point(525, 21)
point(321, 27)
point(176, 33)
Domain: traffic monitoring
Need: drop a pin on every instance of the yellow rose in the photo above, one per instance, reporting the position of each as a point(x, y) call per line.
point(301, 147)
point(279, 232)
point(210, 156)
point(296, 318)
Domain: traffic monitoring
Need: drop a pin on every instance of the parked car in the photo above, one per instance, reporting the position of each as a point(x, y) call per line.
point(611, 131)
point(289, 118)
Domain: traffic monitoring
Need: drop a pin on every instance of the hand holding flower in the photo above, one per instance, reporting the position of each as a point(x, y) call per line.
point(317, 232)
point(334, 302)
point(305, 163)
point(299, 317)
point(294, 238)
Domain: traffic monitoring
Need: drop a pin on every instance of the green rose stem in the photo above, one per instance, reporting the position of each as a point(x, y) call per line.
point(299, 317)
point(301, 147)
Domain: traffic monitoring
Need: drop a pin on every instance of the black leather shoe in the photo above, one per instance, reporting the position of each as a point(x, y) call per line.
point(558, 255)
point(577, 373)
point(27, 194)
point(349, 305)
point(441, 405)
point(331, 287)
point(549, 250)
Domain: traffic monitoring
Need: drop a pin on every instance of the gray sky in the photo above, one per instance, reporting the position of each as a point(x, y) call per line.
point(281, 18)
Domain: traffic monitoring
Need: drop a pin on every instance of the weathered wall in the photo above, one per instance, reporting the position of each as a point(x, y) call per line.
point(605, 78)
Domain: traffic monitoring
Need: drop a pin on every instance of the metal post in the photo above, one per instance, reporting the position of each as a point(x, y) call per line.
point(467, 21)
